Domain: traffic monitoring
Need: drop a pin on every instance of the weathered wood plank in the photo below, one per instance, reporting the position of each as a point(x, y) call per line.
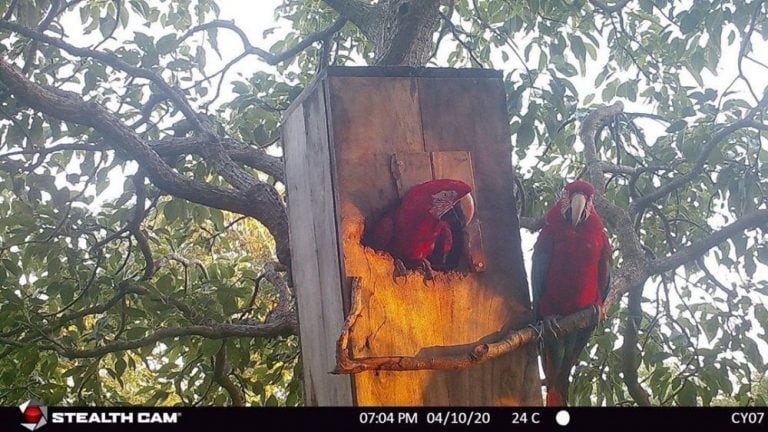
point(409, 316)
point(312, 232)
point(410, 169)
point(334, 189)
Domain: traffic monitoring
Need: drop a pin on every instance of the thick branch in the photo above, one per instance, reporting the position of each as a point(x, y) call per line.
point(260, 201)
point(612, 168)
point(253, 157)
point(531, 224)
point(184, 261)
point(400, 30)
point(633, 270)
point(112, 60)
point(587, 134)
point(756, 219)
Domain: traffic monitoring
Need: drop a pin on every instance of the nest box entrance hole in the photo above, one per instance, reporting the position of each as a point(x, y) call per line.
point(414, 168)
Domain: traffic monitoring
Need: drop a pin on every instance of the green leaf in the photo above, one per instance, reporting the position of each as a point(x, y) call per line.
point(577, 47)
point(166, 44)
point(525, 134)
point(677, 126)
point(145, 42)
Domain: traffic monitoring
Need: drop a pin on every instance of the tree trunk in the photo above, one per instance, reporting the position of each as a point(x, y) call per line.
point(401, 30)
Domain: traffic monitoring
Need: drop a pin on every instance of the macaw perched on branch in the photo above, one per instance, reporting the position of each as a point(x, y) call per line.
point(414, 232)
point(570, 272)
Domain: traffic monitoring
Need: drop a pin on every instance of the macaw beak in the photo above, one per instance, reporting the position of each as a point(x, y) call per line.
point(467, 206)
point(578, 203)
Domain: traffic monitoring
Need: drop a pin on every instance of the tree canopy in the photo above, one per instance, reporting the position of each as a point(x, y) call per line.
point(143, 231)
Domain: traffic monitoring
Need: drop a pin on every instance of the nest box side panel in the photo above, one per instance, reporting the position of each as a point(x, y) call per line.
point(477, 122)
point(373, 118)
point(314, 248)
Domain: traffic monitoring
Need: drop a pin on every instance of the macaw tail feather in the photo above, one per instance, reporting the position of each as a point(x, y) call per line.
point(557, 386)
point(556, 397)
point(560, 355)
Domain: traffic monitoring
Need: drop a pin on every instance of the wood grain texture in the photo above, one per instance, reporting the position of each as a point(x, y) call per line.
point(314, 249)
point(373, 118)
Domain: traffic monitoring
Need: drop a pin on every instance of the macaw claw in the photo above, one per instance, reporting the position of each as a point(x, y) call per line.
point(550, 323)
point(429, 274)
point(537, 329)
point(400, 270)
point(600, 313)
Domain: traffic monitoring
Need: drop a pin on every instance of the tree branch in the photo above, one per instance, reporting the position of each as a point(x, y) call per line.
point(698, 165)
point(123, 288)
point(756, 219)
point(221, 370)
point(630, 353)
point(587, 134)
point(360, 13)
point(184, 261)
point(199, 122)
point(531, 224)
point(251, 156)
point(260, 200)
point(267, 56)
point(212, 331)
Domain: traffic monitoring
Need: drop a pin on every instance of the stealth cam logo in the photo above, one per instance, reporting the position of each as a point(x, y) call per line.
point(35, 414)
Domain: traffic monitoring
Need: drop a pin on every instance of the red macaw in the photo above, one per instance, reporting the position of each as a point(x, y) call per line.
point(570, 272)
point(414, 232)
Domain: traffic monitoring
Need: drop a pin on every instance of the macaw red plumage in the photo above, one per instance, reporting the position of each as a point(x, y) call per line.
point(570, 272)
point(414, 232)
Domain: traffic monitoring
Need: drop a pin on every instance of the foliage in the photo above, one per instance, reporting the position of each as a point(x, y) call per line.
point(70, 197)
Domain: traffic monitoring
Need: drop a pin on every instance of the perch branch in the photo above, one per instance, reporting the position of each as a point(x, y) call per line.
point(480, 353)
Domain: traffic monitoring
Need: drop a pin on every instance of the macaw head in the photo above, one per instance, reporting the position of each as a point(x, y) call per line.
point(437, 197)
point(576, 202)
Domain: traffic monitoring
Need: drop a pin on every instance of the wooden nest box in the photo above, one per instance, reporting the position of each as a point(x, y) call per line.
point(354, 142)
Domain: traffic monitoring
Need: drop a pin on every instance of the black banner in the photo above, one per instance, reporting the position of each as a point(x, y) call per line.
point(38, 417)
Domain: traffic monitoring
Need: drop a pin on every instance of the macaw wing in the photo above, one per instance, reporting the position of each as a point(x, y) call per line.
point(542, 253)
point(604, 267)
